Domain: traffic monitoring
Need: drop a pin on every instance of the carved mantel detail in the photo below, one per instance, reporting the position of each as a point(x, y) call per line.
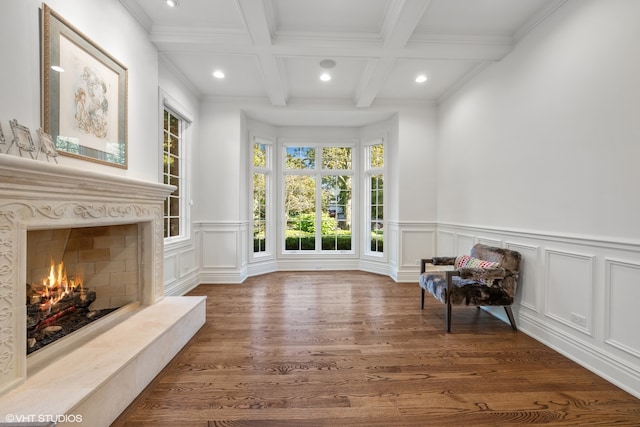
point(38, 195)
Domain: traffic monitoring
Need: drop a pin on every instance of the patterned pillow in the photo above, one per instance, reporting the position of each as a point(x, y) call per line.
point(470, 262)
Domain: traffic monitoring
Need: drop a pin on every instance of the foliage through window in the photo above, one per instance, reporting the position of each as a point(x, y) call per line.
point(261, 172)
point(172, 172)
point(318, 200)
point(374, 170)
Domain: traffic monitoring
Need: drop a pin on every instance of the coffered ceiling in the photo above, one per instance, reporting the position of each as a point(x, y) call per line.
point(273, 48)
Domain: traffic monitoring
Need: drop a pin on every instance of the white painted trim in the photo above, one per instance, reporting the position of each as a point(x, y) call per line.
point(582, 239)
point(608, 309)
point(589, 260)
point(182, 287)
point(522, 248)
point(489, 241)
point(536, 20)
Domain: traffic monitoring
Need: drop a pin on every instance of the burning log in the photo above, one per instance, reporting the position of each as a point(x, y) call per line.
point(57, 307)
point(48, 321)
point(40, 313)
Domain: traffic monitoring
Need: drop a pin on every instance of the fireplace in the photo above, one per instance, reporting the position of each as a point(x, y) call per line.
point(77, 276)
point(48, 211)
point(54, 211)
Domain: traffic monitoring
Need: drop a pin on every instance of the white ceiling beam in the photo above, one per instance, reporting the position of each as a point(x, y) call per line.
point(403, 19)
point(439, 49)
point(256, 19)
point(374, 76)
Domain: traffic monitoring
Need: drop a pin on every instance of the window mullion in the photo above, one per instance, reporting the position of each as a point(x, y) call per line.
point(318, 209)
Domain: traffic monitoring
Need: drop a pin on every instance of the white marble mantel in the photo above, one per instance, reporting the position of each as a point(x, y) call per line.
point(35, 194)
point(26, 178)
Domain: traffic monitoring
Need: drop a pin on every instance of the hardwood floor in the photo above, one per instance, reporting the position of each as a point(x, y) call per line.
point(354, 349)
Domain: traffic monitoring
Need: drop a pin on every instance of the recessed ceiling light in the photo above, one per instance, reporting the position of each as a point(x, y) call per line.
point(325, 77)
point(172, 3)
point(421, 78)
point(218, 74)
point(327, 63)
point(57, 68)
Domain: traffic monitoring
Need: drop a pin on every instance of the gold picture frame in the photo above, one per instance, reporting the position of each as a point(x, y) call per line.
point(84, 94)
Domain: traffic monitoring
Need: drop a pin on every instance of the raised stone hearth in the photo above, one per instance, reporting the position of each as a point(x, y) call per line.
point(99, 375)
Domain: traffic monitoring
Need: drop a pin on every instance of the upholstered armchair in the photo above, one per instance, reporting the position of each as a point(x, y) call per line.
point(486, 277)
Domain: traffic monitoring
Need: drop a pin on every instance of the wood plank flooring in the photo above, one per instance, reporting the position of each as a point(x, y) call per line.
point(354, 349)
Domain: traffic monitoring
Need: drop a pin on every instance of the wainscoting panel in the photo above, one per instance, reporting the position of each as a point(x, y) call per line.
point(622, 294)
point(527, 292)
point(569, 289)
point(415, 245)
point(187, 261)
point(222, 252)
point(446, 243)
point(391, 245)
point(170, 268)
point(220, 249)
point(489, 241)
point(244, 237)
point(464, 243)
point(417, 241)
point(181, 266)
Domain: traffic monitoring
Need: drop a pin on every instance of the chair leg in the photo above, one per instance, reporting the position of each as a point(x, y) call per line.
point(448, 315)
point(421, 298)
point(512, 320)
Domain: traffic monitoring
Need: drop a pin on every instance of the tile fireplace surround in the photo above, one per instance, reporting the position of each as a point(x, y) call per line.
point(99, 376)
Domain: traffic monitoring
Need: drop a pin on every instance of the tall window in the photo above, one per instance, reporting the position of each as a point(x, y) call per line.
point(318, 198)
point(261, 173)
point(173, 141)
point(374, 171)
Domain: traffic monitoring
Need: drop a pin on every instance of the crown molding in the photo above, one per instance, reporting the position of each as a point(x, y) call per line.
point(138, 13)
point(536, 20)
point(462, 81)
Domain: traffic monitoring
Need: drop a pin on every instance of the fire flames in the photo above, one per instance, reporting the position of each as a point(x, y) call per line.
point(57, 286)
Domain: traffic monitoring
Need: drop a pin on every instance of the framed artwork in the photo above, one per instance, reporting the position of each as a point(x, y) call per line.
point(22, 138)
point(47, 146)
point(84, 94)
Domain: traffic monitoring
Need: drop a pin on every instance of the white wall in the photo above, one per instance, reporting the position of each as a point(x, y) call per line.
point(416, 164)
point(20, 74)
point(219, 162)
point(551, 132)
point(539, 153)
